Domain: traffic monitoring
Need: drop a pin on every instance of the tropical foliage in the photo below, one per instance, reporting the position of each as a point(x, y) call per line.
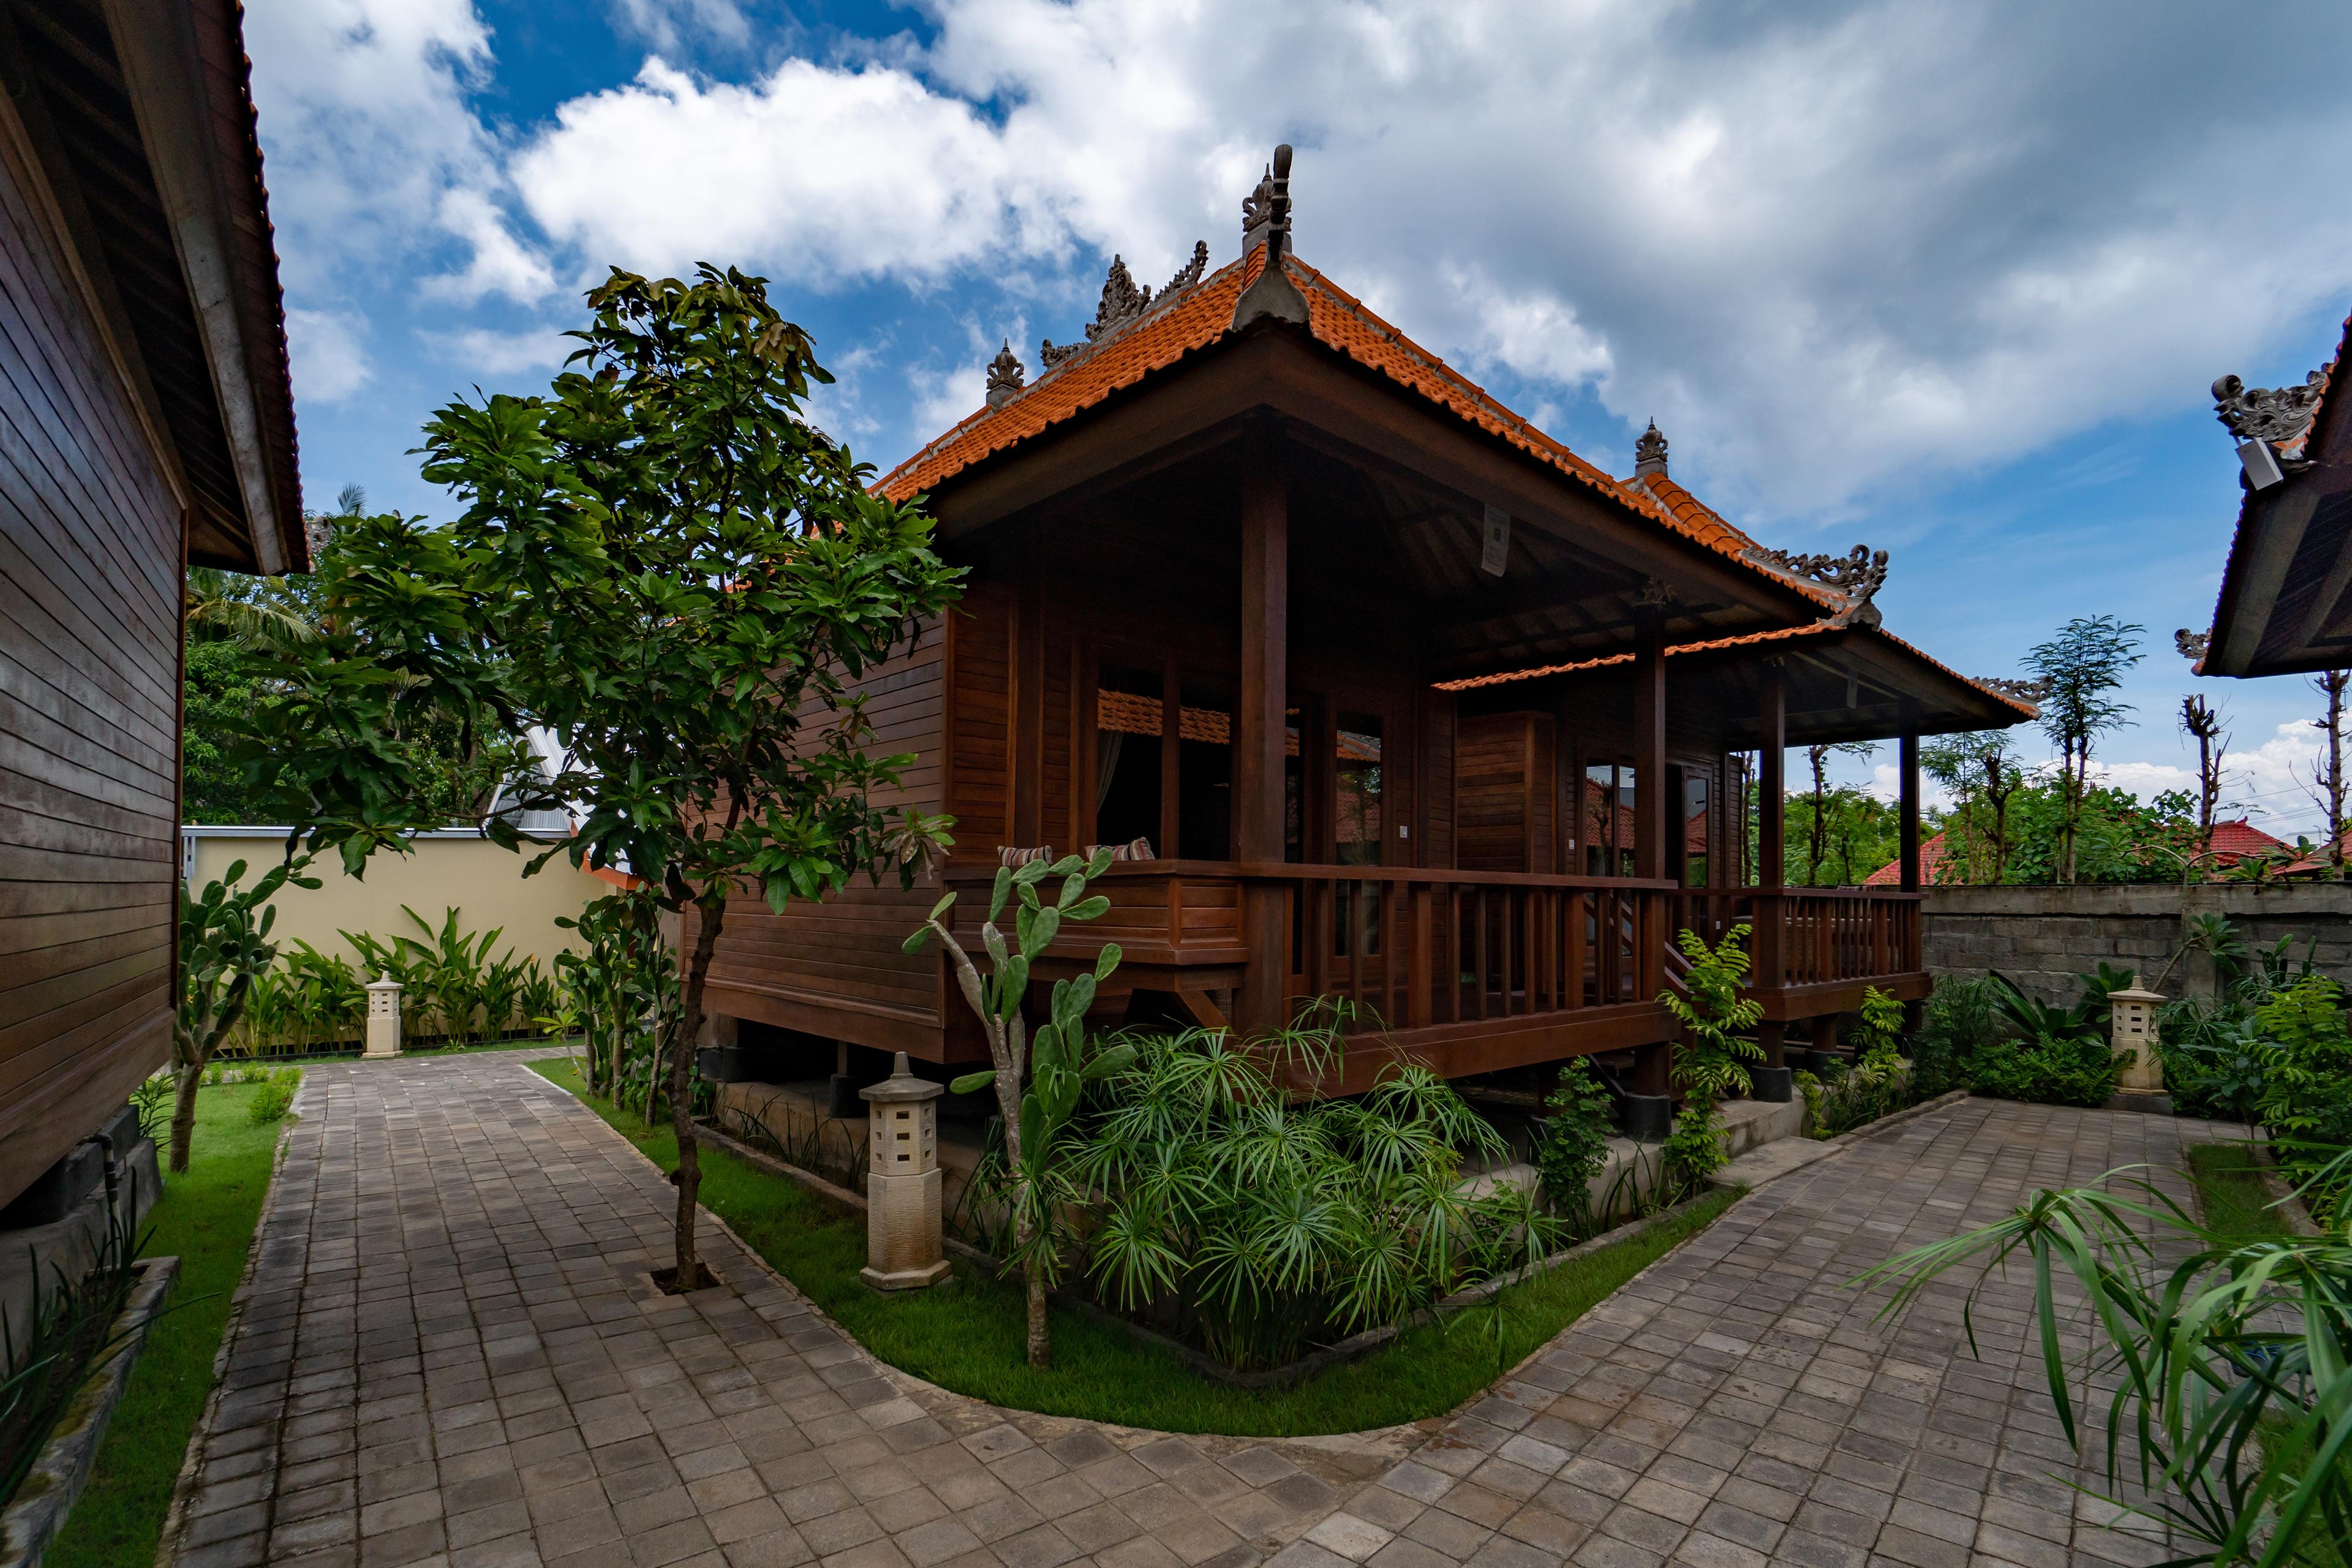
point(1572, 1145)
point(1711, 1062)
point(1258, 1223)
point(2230, 1417)
point(1037, 1082)
point(224, 946)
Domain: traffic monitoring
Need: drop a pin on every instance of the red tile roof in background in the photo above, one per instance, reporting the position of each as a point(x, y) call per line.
point(2231, 843)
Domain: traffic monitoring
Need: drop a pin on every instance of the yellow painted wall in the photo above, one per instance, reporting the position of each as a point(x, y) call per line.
point(485, 882)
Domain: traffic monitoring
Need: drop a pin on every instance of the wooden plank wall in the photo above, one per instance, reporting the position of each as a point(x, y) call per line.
point(1503, 793)
point(90, 559)
point(835, 969)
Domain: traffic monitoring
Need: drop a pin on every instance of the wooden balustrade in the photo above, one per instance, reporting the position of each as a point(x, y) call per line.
point(1409, 948)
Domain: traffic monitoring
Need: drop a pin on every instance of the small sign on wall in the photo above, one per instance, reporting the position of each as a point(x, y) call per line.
point(1497, 553)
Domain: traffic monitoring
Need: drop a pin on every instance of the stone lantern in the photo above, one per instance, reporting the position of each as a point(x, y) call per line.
point(2132, 1027)
point(384, 1017)
point(902, 1181)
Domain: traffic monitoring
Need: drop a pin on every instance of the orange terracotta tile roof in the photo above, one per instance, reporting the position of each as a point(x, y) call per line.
point(1715, 645)
point(1202, 315)
point(1931, 855)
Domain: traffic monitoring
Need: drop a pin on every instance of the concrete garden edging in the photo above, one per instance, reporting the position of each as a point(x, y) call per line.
point(47, 1497)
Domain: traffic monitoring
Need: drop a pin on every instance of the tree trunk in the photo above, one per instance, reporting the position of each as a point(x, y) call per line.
point(688, 1177)
point(1814, 846)
point(1041, 1346)
point(186, 1080)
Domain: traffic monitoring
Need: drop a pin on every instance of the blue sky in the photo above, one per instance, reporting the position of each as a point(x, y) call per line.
point(1950, 280)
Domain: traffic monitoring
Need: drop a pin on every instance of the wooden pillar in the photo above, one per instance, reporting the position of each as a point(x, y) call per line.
point(1258, 732)
point(1650, 814)
point(1771, 819)
point(1029, 702)
point(1907, 811)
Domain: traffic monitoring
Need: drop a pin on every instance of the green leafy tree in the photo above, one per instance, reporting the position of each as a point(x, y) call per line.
point(1839, 836)
point(1981, 771)
point(668, 567)
point(1816, 834)
point(2083, 665)
point(224, 947)
point(1037, 1079)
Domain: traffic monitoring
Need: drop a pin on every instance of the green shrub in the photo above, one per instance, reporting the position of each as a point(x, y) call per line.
point(1572, 1142)
point(2211, 1050)
point(1962, 1017)
point(2306, 1094)
point(2047, 1069)
point(1843, 1099)
point(275, 1096)
point(1693, 1150)
point(1258, 1224)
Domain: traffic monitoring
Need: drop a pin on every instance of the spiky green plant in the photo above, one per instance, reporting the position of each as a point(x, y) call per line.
point(2231, 1413)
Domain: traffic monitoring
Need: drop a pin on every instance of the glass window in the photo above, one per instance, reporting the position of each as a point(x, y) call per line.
point(1358, 833)
point(1204, 772)
point(1127, 756)
point(1698, 828)
point(1609, 820)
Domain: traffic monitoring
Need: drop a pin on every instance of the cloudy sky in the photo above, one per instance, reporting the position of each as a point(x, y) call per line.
point(1949, 279)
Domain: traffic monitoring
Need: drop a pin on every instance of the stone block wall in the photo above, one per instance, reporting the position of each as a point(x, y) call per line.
point(2044, 937)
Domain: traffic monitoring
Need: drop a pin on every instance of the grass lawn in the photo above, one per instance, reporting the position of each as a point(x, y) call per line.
point(207, 1218)
point(968, 1335)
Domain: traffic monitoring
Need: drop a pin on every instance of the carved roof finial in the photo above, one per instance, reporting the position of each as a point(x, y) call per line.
point(2278, 414)
point(1858, 574)
point(1265, 219)
point(2033, 692)
point(1650, 452)
point(1124, 300)
point(2191, 646)
point(1006, 376)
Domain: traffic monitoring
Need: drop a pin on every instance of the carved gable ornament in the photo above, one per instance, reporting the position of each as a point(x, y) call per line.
point(1124, 301)
point(1858, 574)
point(2032, 691)
point(2280, 414)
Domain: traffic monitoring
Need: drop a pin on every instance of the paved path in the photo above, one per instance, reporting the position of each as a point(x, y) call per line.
point(451, 1354)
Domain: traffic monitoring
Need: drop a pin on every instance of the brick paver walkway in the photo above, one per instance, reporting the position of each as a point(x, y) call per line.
point(451, 1354)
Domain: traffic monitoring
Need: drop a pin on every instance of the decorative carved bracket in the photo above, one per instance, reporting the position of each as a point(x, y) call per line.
point(2023, 690)
point(1858, 574)
point(1124, 300)
point(2191, 645)
point(1006, 376)
point(1265, 219)
point(2275, 414)
point(1655, 596)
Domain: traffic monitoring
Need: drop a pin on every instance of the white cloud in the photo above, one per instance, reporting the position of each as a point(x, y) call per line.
point(500, 264)
point(1834, 250)
point(329, 364)
point(499, 353)
point(944, 397)
point(828, 174)
point(668, 24)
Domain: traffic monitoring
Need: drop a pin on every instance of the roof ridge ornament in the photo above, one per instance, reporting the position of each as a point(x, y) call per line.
point(1650, 452)
point(2191, 646)
point(1123, 302)
point(1858, 574)
point(2031, 692)
point(2277, 413)
point(1265, 218)
point(1006, 376)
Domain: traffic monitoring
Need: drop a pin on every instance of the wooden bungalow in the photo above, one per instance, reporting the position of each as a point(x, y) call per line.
point(1266, 592)
point(148, 421)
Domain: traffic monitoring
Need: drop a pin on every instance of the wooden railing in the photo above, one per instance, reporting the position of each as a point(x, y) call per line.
point(1813, 936)
point(1407, 948)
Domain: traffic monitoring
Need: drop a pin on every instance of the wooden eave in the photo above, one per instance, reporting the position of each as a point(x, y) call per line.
point(142, 114)
point(1274, 380)
point(2285, 603)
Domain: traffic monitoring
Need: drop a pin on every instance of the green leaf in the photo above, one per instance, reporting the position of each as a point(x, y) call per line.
point(1000, 892)
point(1093, 908)
point(972, 1081)
point(943, 907)
point(920, 939)
point(1109, 1063)
point(1106, 961)
point(1038, 928)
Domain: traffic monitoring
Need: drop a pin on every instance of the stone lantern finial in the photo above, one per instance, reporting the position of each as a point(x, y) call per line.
point(1006, 376)
point(1650, 452)
point(903, 1246)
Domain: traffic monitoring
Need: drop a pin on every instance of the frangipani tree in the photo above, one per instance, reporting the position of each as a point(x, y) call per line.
point(664, 563)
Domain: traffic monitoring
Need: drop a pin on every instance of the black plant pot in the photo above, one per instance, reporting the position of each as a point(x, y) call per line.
point(1774, 1086)
point(1647, 1117)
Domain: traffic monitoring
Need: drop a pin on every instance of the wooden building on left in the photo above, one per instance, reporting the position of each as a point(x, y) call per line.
point(146, 422)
